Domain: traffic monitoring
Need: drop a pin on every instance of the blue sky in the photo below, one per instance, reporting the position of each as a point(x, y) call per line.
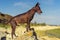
point(50, 9)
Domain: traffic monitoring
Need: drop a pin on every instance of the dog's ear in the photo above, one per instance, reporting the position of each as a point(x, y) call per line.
point(37, 4)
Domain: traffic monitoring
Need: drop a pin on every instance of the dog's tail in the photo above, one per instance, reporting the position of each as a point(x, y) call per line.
point(8, 21)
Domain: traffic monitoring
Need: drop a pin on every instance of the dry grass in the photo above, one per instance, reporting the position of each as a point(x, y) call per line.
point(27, 36)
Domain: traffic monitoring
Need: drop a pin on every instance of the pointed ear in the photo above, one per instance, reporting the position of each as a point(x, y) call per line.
point(37, 4)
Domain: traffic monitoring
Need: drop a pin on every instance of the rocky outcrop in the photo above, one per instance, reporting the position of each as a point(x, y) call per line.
point(4, 17)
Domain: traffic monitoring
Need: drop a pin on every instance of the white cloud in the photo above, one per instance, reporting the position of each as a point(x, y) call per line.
point(21, 4)
point(46, 19)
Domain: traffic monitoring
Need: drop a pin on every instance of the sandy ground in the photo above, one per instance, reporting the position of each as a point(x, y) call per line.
point(43, 28)
point(20, 32)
